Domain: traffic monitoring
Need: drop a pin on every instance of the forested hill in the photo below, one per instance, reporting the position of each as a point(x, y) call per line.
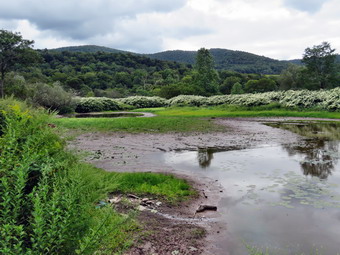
point(89, 49)
point(239, 61)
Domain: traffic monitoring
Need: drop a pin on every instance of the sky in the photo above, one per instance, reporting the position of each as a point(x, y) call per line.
point(280, 29)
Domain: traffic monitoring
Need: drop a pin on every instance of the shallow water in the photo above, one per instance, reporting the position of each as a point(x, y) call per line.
point(280, 198)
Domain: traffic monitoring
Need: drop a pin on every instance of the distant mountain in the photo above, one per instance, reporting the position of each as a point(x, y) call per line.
point(239, 61)
point(89, 49)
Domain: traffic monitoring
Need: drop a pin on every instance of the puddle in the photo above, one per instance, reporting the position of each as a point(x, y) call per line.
point(284, 198)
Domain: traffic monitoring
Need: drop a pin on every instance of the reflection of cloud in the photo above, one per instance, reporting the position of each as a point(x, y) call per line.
point(311, 6)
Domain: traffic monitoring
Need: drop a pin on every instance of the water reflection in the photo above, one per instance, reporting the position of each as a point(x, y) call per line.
point(204, 156)
point(320, 149)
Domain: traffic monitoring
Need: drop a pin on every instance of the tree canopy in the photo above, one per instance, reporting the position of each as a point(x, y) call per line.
point(320, 63)
point(14, 50)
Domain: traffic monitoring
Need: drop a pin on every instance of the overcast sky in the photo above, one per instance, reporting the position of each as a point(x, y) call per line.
point(279, 29)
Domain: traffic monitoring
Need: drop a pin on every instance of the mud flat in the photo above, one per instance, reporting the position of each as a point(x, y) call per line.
point(145, 152)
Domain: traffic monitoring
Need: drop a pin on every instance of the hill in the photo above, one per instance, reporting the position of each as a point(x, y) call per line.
point(89, 49)
point(238, 61)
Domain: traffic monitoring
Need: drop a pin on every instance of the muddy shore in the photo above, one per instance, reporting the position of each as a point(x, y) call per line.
point(135, 152)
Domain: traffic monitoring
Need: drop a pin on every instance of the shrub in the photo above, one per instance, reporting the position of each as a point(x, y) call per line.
point(53, 97)
point(97, 104)
point(187, 100)
point(144, 102)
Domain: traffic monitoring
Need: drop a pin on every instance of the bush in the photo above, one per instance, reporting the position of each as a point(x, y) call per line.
point(39, 207)
point(303, 99)
point(186, 100)
point(53, 97)
point(144, 102)
point(97, 104)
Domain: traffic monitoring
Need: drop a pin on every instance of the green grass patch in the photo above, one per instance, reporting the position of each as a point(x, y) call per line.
point(100, 183)
point(161, 185)
point(157, 124)
point(238, 111)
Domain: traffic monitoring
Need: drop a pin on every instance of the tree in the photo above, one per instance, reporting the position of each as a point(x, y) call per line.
point(237, 89)
point(14, 50)
point(260, 86)
point(291, 78)
point(206, 76)
point(320, 63)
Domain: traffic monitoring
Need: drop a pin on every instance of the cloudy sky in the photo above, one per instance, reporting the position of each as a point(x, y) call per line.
point(280, 29)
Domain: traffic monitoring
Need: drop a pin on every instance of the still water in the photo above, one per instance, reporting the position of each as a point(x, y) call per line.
point(284, 199)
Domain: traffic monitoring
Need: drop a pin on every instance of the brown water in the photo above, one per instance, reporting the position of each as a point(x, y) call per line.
point(283, 199)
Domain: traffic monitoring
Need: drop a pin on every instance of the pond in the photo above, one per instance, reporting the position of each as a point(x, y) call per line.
point(284, 199)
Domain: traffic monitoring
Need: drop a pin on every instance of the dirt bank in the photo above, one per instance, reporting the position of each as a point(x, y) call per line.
point(134, 152)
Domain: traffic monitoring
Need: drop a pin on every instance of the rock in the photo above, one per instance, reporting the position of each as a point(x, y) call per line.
point(144, 200)
point(203, 208)
point(175, 252)
point(158, 203)
point(115, 200)
point(191, 248)
point(132, 196)
point(141, 208)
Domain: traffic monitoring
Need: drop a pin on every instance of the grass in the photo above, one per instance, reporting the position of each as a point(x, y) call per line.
point(184, 119)
point(238, 111)
point(159, 124)
point(164, 186)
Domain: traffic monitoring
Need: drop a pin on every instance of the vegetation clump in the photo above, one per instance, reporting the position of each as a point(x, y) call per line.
point(52, 204)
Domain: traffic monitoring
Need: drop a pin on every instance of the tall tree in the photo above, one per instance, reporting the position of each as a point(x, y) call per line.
point(14, 50)
point(206, 76)
point(320, 63)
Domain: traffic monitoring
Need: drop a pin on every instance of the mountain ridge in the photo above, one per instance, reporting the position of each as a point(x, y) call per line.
point(225, 59)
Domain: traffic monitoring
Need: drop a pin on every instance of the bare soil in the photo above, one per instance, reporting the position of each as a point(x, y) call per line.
point(179, 229)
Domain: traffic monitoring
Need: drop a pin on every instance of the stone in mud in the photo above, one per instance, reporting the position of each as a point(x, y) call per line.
point(203, 208)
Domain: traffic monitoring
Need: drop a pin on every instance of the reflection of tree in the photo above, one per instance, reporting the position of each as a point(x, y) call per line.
point(319, 153)
point(205, 155)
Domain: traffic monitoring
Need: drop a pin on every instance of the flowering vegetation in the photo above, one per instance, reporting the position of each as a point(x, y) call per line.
point(302, 99)
point(97, 104)
point(144, 102)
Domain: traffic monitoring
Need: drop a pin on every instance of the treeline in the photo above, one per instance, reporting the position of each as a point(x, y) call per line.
point(122, 74)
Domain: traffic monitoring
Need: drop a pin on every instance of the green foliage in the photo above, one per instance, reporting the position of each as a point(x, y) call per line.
point(97, 104)
point(237, 89)
point(260, 86)
point(35, 191)
point(144, 102)
point(328, 100)
point(52, 97)
point(14, 50)
point(224, 59)
point(206, 77)
point(320, 63)
point(48, 199)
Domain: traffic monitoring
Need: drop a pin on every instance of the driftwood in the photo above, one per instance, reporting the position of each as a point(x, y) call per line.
point(203, 208)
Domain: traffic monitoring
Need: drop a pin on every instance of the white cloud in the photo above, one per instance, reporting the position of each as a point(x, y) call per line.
point(278, 28)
